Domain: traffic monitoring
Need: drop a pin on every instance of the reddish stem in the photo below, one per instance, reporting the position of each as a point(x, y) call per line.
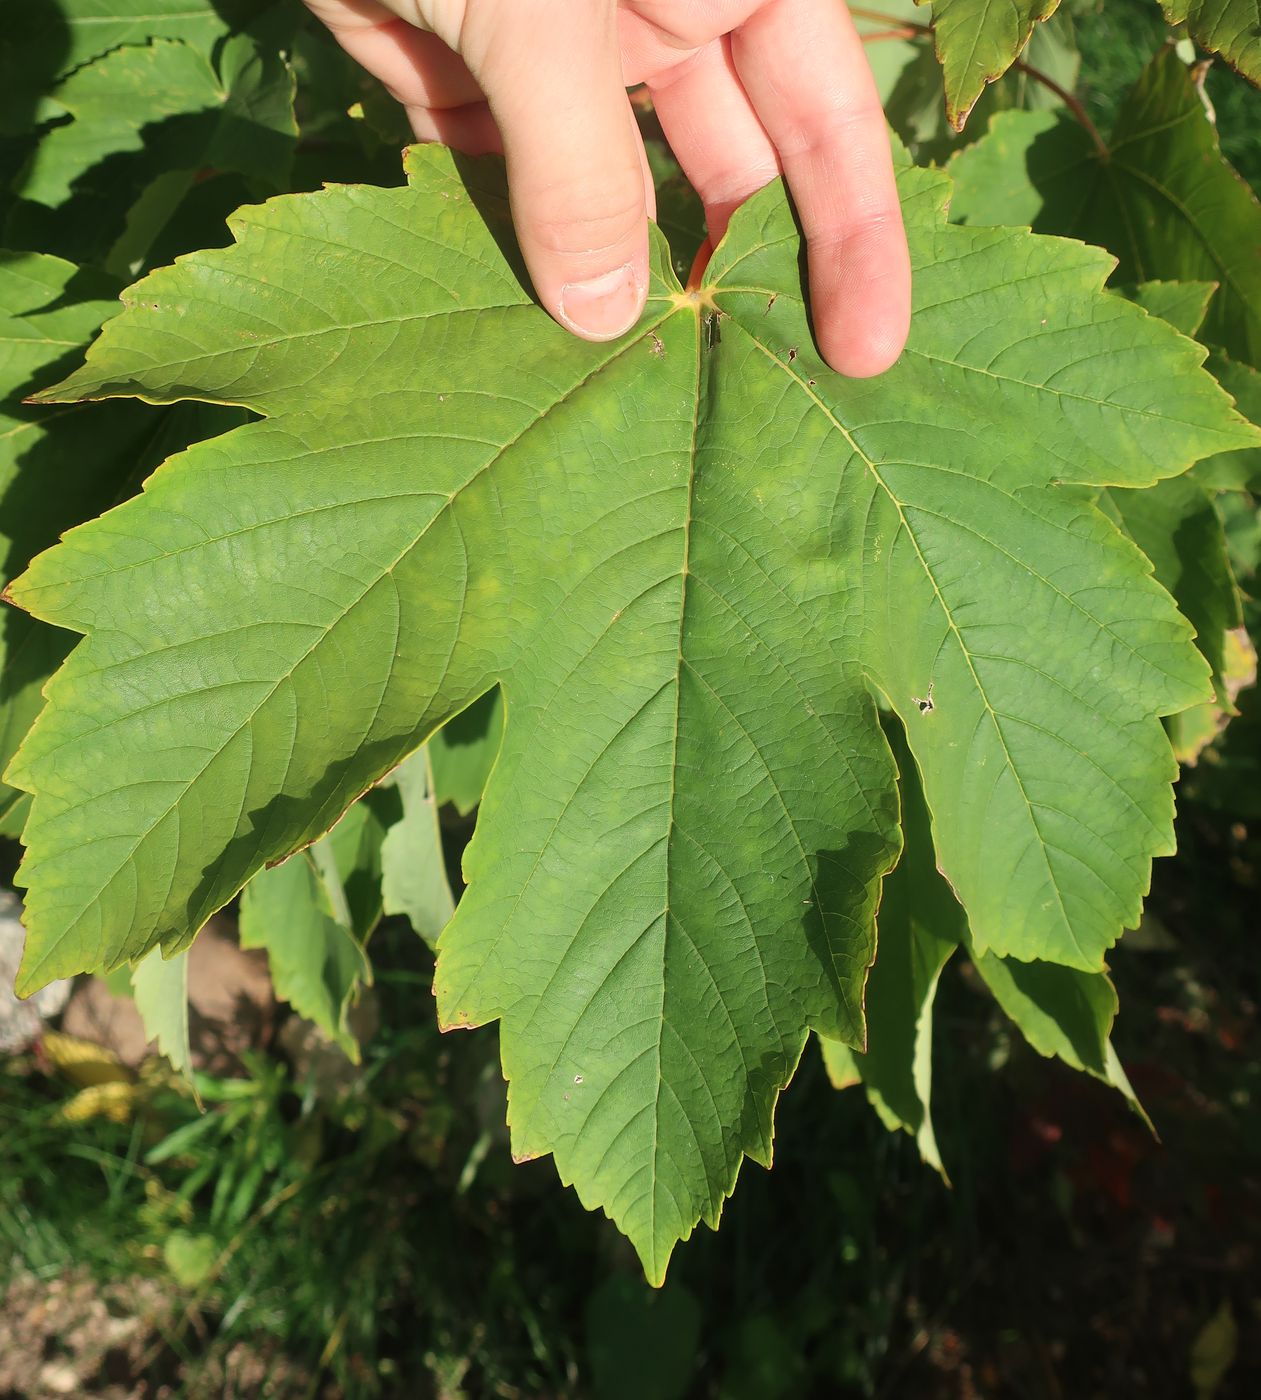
point(699, 263)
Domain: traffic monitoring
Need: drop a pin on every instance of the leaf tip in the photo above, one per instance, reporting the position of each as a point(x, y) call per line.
point(655, 1260)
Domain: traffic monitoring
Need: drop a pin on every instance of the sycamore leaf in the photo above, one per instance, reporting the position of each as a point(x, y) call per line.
point(414, 875)
point(1061, 1012)
point(297, 912)
point(160, 988)
point(1234, 471)
point(1176, 525)
point(462, 753)
point(1191, 731)
point(241, 121)
point(1231, 28)
point(356, 848)
point(1183, 304)
point(1162, 200)
point(141, 126)
point(688, 558)
point(919, 926)
point(59, 466)
point(42, 42)
point(911, 81)
point(977, 41)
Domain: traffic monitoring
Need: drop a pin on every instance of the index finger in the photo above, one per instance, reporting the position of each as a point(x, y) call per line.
point(803, 67)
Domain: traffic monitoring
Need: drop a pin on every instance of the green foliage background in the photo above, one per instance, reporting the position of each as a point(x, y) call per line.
point(112, 169)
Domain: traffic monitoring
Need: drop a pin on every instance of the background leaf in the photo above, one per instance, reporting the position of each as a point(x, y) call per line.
point(1061, 1012)
point(160, 988)
point(1231, 28)
point(414, 872)
point(1183, 304)
point(977, 41)
point(139, 128)
point(1235, 470)
point(45, 41)
point(297, 913)
point(1164, 201)
point(1176, 525)
point(919, 926)
point(462, 753)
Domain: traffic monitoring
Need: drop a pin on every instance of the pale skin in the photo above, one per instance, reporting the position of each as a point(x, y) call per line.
point(745, 90)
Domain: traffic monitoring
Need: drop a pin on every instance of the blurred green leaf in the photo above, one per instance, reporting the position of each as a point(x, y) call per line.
point(462, 752)
point(160, 988)
point(1214, 1351)
point(977, 41)
point(414, 870)
point(1162, 200)
point(642, 1341)
point(1231, 28)
point(297, 913)
point(190, 1257)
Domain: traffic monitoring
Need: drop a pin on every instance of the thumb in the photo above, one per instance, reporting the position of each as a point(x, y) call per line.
point(552, 74)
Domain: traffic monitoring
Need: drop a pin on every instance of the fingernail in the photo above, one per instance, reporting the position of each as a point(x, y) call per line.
point(606, 306)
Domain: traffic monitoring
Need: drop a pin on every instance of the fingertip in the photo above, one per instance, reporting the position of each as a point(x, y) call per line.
point(606, 306)
point(576, 168)
point(863, 350)
point(861, 298)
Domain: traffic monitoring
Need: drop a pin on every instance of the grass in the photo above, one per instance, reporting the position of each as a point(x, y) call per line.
point(376, 1241)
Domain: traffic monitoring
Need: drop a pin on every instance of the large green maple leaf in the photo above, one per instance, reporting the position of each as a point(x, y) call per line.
point(690, 559)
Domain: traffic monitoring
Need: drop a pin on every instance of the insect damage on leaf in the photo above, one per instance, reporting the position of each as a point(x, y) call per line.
point(689, 574)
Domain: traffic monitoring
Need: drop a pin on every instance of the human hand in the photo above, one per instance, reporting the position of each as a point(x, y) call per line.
point(744, 89)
